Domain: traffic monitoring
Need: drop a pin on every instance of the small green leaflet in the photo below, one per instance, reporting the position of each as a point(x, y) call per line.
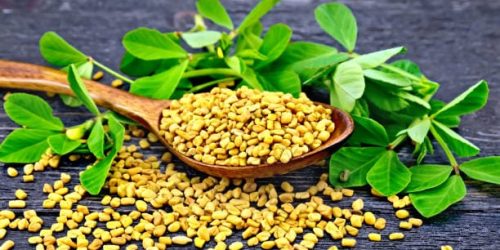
point(327, 60)
point(425, 177)
point(24, 145)
point(348, 85)
point(70, 101)
point(234, 63)
point(257, 12)
point(457, 143)
point(285, 81)
point(375, 59)
point(418, 130)
point(55, 50)
point(250, 79)
point(354, 163)
point(201, 39)
point(389, 175)
point(301, 50)
point(368, 131)
point(215, 11)
point(337, 20)
point(450, 121)
point(483, 169)
point(80, 90)
point(162, 85)
point(136, 67)
point(473, 99)
point(150, 44)
point(384, 99)
point(392, 79)
point(274, 43)
point(93, 178)
point(31, 111)
point(407, 66)
point(61, 144)
point(85, 70)
point(96, 141)
point(434, 201)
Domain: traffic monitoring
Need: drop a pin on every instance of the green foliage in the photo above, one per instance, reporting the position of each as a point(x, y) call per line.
point(483, 169)
point(57, 51)
point(32, 112)
point(338, 21)
point(215, 11)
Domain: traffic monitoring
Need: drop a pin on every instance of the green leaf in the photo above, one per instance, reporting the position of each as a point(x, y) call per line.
point(201, 39)
point(285, 81)
point(348, 85)
point(389, 175)
point(368, 131)
point(117, 132)
point(473, 99)
point(70, 101)
point(160, 86)
point(250, 79)
point(483, 169)
point(31, 111)
point(408, 66)
point(415, 99)
point(122, 119)
point(425, 177)
point(451, 121)
point(375, 59)
point(93, 178)
point(251, 54)
point(85, 69)
point(96, 141)
point(418, 130)
point(325, 60)
point(299, 51)
point(150, 44)
point(215, 11)
point(234, 63)
point(384, 99)
point(388, 78)
point(24, 145)
point(80, 90)
point(434, 201)
point(249, 38)
point(457, 143)
point(274, 43)
point(353, 163)
point(61, 144)
point(136, 67)
point(337, 20)
point(58, 52)
point(257, 12)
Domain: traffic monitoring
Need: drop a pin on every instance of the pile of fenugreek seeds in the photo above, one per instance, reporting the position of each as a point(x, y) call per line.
point(165, 207)
point(245, 127)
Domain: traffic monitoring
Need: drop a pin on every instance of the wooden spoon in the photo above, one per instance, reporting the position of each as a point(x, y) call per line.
point(147, 112)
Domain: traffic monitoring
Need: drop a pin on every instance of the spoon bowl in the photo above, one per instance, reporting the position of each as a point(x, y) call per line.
point(148, 112)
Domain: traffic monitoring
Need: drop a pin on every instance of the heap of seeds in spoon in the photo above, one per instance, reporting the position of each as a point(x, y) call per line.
point(245, 127)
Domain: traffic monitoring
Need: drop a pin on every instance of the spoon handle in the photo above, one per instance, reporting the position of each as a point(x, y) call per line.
point(26, 76)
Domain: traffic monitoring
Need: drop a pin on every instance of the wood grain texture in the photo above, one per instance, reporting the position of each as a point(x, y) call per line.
point(456, 42)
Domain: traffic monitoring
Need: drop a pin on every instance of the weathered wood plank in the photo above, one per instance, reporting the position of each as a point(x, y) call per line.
point(455, 42)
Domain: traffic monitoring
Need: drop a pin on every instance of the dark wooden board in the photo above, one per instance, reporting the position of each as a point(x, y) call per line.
point(455, 42)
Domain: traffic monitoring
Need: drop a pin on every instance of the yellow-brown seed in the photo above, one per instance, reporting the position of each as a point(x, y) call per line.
point(12, 172)
point(405, 225)
point(446, 247)
point(20, 194)
point(17, 204)
point(379, 223)
point(116, 83)
point(8, 244)
point(402, 214)
point(396, 236)
point(358, 205)
point(374, 237)
point(98, 75)
point(236, 245)
point(348, 242)
point(369, 218)
point(415, 222)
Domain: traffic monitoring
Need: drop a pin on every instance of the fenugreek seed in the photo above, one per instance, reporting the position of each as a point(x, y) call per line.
point(144, 144)
point(415, 222)
point(20, 194)
point(307, 244)
point(12, 172)
point(28, 169)
point(236, 245)
point(65, 178)
point(28, 178)
point(379, 223)
point(356, 220)
point(98, 75)
point(405, 225)
point(8, 244)
point(374, 237)
point(311, 237)
point(336, 196)
point(252, 242)
point(446, 247)
point(402, 214)
point(287, 187)
point(369, 218)
point(48, 204)
point(396, 236)
point(3, 232)
point(358, 205)
point(35, 240)
point(17, 204)
point(267, 244)
point(116, 83)
point(348, 242)
point(333, 248)
point(347, 192)
point(141, 205)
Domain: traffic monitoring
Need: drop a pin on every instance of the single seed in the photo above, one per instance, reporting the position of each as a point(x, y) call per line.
point(369, 218)
point(446, 247)
point(98, 75)
point(236, 245)
point(396, 236)
point(12, 172)
point(379, 223)
point(20, 194)
point(405, 225)
point(402, 214)
point(415, 222)
point(17, 204)
point(374, 237)
point(358, 205)
point(8, 244)
point(348, 242)
point(116, 83)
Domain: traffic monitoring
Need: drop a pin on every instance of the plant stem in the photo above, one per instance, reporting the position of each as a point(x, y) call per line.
point(112, 72)
point(397, 141)
point(213, 71)
point(211, 83)
point(446, 149)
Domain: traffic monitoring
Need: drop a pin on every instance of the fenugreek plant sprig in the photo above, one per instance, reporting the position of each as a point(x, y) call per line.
point(42, 131)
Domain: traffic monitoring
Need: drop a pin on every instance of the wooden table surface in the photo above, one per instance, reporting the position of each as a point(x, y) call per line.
point(456, 42)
